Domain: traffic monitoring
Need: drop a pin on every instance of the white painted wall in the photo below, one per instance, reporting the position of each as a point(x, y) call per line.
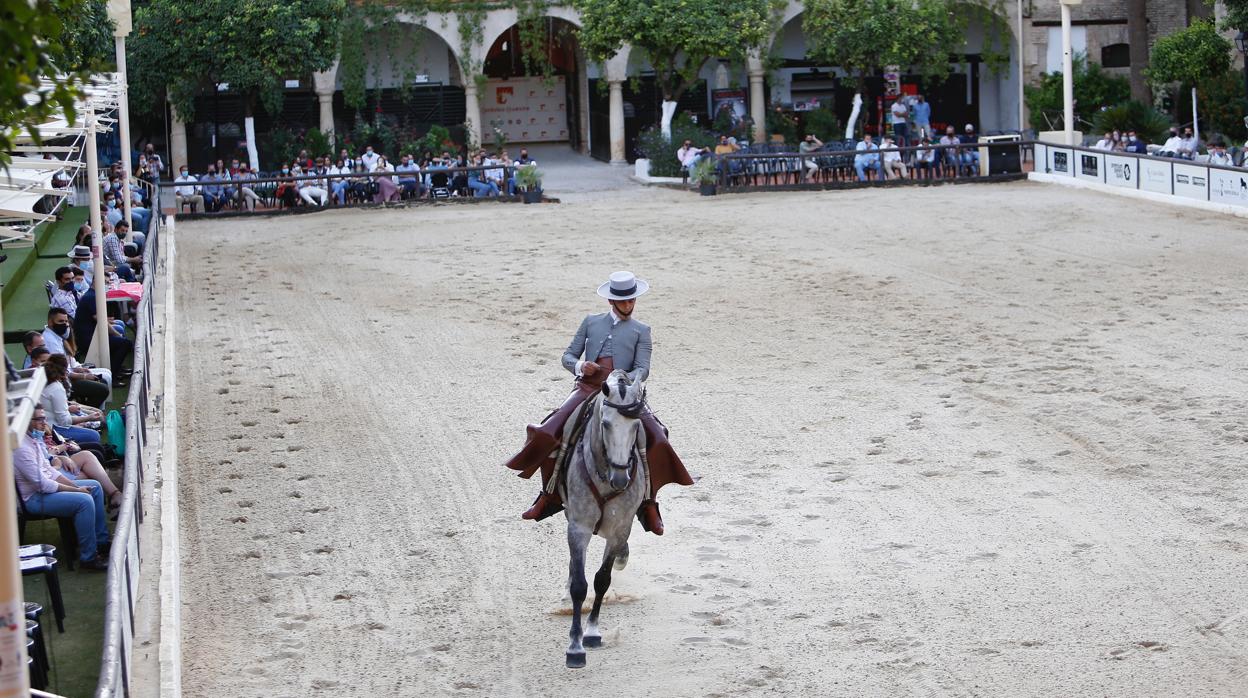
point(395, 51)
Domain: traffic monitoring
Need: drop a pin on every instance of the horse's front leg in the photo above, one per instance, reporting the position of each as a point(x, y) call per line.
point(602, 582)
point(578, 540)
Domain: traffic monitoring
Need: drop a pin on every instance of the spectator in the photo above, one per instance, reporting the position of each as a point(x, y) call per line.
point(119, 346)
point(37, 356)
point(47, 492)
point(361, 185)
point(214, 195)
point(949, 155)
point(925, 159)
point(478, 182)
point(683, 153)
point(287, 192)
point(921, 112)
point(90, 387)
point(187, 191)
point(524, 157)
point(55, 400)
point(338, 184)
point(1189, 145)
point(409, 177)
point(370, 159)
point(313, 191)
point(65, 296)
point(898, 114)
point(345, 160)
point(250, 197)
point(386, 189)
point(78, 463)
point(1135, 145)
point(894, 166)
point(1120, 142)
point(114, 256)
point(970, 156)
point(868, 157)
point(725, 146)
point(1106, 142)
point(809, 145)
point(1219, 156)
point(304, 161)
point(498, 175)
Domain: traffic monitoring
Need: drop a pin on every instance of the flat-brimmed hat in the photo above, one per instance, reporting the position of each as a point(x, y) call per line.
point(623, 286)
point(80, 252)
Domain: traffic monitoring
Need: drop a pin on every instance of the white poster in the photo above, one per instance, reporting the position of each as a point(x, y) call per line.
point(1191, 181)
point(1228, 187)
point(1122, 171)
point(1061, 161)
point(524, 110)
point(1090, 166)
point(1155, 176)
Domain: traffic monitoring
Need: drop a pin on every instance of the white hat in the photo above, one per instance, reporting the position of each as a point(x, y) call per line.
point(623, 286)
point(80, 252)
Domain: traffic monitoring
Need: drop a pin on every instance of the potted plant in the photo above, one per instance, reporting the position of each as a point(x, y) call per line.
point(529, 183)
point(705, 175)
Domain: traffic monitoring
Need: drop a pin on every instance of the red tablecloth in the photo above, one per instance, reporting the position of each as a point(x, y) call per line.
point(126, 291)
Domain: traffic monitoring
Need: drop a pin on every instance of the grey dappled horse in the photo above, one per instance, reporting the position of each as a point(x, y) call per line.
point(605, 485)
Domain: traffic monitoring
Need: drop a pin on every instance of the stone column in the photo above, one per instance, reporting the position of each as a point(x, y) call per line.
point(177, 142)
point(323, 84)
point(758, 98)
point(616, 114)
point(472, 112)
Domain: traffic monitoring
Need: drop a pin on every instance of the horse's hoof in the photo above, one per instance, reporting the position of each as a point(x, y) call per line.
point(592, 641)
point(576, 661)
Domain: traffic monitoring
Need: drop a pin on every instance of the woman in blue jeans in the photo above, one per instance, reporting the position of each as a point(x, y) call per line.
point(55, 400)
point(477, 182)
point(46, 491)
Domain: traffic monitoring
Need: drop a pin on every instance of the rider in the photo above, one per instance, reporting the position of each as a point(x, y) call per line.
point(608, 341)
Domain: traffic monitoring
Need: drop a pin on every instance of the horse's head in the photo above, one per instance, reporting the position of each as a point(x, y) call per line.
point(622, 405)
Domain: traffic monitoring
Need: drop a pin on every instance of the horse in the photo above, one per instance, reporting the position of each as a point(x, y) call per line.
point(605, 484)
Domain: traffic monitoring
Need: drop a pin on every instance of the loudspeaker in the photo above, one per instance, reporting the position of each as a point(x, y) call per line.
point(1005, 158)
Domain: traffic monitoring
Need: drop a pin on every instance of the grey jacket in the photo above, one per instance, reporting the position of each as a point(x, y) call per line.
point(630, 345)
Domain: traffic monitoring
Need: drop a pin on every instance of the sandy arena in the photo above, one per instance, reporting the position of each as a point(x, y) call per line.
point(984, 440)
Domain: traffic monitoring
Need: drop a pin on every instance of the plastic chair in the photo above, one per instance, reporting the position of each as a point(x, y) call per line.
point(69, 535)
point(46, 566)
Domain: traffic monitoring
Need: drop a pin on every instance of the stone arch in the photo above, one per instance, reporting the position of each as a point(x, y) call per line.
point(445, 28)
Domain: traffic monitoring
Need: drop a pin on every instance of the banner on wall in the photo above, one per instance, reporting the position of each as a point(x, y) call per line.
point(1090, 166)
point(1228, 187)
point(525, 110)
point(1060, 161)
point(1191, 181)
point(1155, 176)
point(1122, 171)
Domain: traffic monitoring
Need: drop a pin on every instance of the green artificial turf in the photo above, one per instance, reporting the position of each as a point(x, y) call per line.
point(23, 274)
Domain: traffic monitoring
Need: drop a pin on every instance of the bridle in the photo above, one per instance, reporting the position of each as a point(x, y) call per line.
point(631, 410)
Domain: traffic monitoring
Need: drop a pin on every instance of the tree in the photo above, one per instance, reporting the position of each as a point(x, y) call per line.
point(1190, 55)
point(865, 36)
point(40, 44)
point(1094, 90)
point(1137, 33)
point(677, 37)
point(1236, 17)
point(182, 48)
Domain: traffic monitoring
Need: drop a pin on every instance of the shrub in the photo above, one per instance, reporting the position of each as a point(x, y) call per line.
point(822, 122)
point(662, 153)
point(1222, 105)
point(317, 143)
point(1094, 90)
point(1150, 124)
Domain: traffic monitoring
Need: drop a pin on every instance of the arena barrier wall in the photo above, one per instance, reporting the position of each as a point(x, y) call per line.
point(1181, 180)
point(122, 582)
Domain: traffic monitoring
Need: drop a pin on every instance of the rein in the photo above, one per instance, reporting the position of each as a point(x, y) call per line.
point(632, 410)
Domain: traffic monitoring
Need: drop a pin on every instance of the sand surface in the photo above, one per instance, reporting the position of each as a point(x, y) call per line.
point(987, 440)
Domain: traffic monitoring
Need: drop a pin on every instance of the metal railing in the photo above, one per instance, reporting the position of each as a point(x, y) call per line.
point(833, 167)
point(266, 187)
point(122, 581)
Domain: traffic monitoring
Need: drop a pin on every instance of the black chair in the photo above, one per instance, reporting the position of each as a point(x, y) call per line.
point(440, 185)
point(46, 566)
point(39, 655)
point(69, 535)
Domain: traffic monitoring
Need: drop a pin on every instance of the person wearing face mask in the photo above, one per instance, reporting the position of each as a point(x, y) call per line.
point(1218, 155)
point(55, 401)
point(370, 158)
point(287, 191)
point(90, 385)
point(66, 294)
point(47, 492)
point(119, 346)
point(1135, 144)
point(113, 254)
point(213, 194)
point(187, 191)
point(1189, 145)
point(1172, 146)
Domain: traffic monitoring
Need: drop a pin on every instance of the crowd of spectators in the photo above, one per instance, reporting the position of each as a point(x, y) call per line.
point(338, 181)
point(1181, 144)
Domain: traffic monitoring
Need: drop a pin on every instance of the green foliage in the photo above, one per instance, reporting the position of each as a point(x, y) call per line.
point(1223, 105)
point(864, 36)
point(704, 172)
point(1236, 18)
point(676, 36)
point(41, 39)
point(1190, 55)
point(183, 47)
point(1093, 87)
point(779, 122)
point(317, 143)
point(822, 122)
point(1150, 124)
point(528, 178)
point(662, 154)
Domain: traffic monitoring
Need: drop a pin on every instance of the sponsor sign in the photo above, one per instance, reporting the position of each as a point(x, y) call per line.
point(1191, 181)
point(1061, 161)
point(1155, 176)
point(1090, 166)
point(525, 110)
point(1227, 187)
point(1122, 171)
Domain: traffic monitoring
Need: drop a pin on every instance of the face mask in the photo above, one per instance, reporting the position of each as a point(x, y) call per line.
point(285, 170)
point(183, 173)
point(1131, 138)
point(68, 286)
point(81, 286)
point(112, 204)
point(35, 433)
point(61, 330)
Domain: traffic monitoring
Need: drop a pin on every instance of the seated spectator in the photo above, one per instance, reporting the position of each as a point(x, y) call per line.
point(970, 156)
point(409, 177)
point(1189, 145)
point(477, 180)
point(361, 186)
point(114, 256)
point(809, 145)
point(345, 160)
point(78, 463)
point(370, 159)
point(523, 158)
point(387, 190)
point(725, 146)
point(1135, 144)
point(55, 399)
point(868, 157)
point(91, 386)
point(119, 346)
point(287, 192)
point(498, 175)
point(950, 156)
point(925, 159)
point(894, 167)
point(338, 185)
point(1172, 146)
point(1106, 142)
point(1219, 156)
point(214, 194)
point(65, 296)
point(1120, 142)
point(313, 191)
point(47, 492)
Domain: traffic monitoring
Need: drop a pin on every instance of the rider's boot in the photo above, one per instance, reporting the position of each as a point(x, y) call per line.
point(648, 514)
point(546, 504)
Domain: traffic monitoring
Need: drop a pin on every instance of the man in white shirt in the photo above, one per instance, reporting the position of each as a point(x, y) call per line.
point(339, 185)
point(1219, 156)
point(187, 191)
point(311, 190)
point(1188, 145)
point(898, 114)
point(65, 296)
point(1106, 143)
point(409, 176)
point(370, 158)
point(868, 157)
point(894, 164)
point(1172, 146)
point(950, 156)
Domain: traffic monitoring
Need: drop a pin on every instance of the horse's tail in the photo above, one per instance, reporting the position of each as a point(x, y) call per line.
point(621, 556)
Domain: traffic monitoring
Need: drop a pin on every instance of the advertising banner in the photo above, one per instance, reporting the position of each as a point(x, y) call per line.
point(1122, 171)
point(1090, 166)
point(1155, 176)
point(1061, 161)
point(524, 110)
point(1191, 181)
point(1227, 187)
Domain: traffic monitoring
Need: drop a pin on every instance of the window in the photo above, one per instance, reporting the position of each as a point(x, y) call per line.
point(1116, 56)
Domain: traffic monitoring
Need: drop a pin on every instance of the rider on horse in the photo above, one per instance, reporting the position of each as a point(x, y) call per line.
point(609, 341)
